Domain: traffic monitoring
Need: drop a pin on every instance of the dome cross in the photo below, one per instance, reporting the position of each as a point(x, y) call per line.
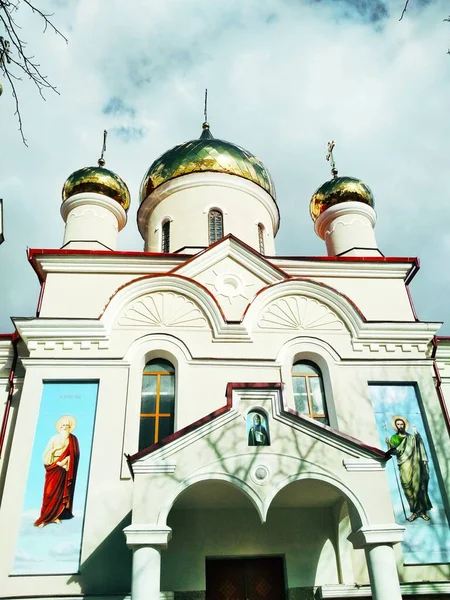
point(330, 158)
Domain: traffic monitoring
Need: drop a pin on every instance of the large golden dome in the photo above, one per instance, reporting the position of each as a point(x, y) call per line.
point(98, 180)
point(206, 154)
point(337, 191)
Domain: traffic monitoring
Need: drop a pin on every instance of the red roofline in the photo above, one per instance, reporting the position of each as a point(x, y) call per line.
point(33, 252)
point(229, 396)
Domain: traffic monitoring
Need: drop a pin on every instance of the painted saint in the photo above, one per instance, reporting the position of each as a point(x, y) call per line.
point(60, 460)
point(412, 461)
point(257, 433)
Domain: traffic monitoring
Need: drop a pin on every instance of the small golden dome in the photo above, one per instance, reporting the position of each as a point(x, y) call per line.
point(337, 191)
point(98, 180)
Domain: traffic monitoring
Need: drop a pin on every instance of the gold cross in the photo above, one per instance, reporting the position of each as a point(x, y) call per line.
point(330, 158)
point(101, 160)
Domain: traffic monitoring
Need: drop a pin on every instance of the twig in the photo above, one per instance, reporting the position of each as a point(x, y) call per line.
point(404, 10)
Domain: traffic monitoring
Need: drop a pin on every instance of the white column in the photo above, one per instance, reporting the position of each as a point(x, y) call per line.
point(377, 542)
point(348, 230)
point(92, 221)
point(146, 542)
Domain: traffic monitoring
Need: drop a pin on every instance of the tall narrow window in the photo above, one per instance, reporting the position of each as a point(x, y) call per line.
point(309, 396)
point(165, 237)
point(215, 226)
point(261, 237)
point(157, 402)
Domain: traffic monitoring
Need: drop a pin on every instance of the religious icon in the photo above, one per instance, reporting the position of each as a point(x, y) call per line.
point(257, 429)
point(60, 460)
point(412, 462)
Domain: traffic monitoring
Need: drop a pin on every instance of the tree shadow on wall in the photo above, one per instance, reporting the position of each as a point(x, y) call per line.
point(108, 569)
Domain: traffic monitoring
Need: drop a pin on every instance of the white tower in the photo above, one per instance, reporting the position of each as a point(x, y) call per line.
point(344, 217)
point(94, 206)
point(201, 190)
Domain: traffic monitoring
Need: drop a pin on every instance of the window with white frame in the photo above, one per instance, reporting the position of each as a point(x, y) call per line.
point(165, 236)
point(215, 225)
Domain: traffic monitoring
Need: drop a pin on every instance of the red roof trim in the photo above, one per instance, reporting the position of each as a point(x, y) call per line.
point(284, 408)
point(32, 253)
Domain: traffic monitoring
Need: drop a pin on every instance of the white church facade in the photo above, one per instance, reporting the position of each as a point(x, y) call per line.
point(207, 420)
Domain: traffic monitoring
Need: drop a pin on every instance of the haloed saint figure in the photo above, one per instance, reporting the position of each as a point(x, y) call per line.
point(60, 459)
point(412, 461)
point(257, 431)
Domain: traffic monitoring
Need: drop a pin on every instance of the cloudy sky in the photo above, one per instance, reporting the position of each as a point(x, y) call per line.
point(284, 77)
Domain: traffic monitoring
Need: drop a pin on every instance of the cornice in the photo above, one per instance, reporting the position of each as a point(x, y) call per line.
point(106, 263)
point(361, 270)
point(420, 588)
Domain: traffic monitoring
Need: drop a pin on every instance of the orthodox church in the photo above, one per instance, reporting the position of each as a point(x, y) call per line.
point(207, 420)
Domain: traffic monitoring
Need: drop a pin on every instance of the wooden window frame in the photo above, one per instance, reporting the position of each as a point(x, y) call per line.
point(309, 395)
point(157, 415)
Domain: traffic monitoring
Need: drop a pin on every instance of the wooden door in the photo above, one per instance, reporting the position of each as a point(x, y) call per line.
point(245, 579)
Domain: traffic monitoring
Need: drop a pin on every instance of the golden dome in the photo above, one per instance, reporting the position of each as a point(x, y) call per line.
point(206, 154)
point(337, 191)
point(98, 180)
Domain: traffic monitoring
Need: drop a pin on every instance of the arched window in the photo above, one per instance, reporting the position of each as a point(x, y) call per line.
point(157, 402)
point(215, 225)
point(165, 236)
point(261, 237)
point(309, 397)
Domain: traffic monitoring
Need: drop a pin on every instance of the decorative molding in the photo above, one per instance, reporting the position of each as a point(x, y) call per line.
point(154, 468)
point(346, 220)
point(346, 209)
point(375, 535)
point(299, 312)
point(425, 588)
point(138, 535)
point(163, 309)
point(362, 465)
point(260, 475)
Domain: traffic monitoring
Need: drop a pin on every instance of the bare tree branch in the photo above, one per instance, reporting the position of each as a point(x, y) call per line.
point(404, 10)
point(14, 56)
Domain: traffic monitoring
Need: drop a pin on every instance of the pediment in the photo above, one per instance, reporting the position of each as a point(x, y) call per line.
point(223, 433)
point(233, 273)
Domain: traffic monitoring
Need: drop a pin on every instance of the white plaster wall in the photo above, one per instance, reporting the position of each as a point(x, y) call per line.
point(304, 538)
point(378, 299)
point(187, 200)
point(80, 295)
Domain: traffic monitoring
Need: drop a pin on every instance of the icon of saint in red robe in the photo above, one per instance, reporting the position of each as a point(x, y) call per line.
point(60, 459)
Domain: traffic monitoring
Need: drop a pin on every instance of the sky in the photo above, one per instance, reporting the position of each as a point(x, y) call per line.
point(283, 76)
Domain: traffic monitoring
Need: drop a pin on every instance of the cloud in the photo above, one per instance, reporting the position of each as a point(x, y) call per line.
point(284, 77)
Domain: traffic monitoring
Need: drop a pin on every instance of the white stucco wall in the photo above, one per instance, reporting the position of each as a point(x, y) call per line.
point(304, 538)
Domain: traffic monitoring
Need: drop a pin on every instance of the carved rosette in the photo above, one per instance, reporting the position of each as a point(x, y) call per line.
point(299, 312)
point(163, 309)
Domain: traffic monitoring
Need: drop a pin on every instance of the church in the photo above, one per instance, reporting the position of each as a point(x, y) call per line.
point(206, 420)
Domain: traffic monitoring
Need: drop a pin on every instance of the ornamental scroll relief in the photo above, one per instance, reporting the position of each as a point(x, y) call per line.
point(163, 309)
point(299, 312)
